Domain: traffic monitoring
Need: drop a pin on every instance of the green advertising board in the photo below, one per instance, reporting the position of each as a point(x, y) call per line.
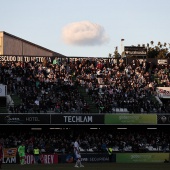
point(131, 119)
point(141, 157)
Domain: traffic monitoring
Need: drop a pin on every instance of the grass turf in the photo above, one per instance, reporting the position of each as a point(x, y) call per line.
point(91, 166)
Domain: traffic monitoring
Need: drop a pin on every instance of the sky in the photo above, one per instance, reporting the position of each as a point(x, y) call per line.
point(90, 28)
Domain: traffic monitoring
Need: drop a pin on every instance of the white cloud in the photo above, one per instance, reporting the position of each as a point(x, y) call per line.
point(84, 33)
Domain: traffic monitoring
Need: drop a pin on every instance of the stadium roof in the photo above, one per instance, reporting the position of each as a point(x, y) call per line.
point(54, 53)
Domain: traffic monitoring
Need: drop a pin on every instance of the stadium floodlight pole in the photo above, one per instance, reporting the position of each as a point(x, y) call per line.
point(122, 47)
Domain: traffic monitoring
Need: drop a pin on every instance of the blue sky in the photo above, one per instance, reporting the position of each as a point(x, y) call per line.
point(91, 28)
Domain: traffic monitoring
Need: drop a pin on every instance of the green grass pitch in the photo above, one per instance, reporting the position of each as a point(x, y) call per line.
point(91, 166)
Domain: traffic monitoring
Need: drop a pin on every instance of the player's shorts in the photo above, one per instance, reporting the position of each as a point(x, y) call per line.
point(1, 156)
point(78, 156)
point(21, 154)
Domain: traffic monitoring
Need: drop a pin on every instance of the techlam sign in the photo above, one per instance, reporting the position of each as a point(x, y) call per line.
point(77, 119)
point(163, 92)
point(45, 159)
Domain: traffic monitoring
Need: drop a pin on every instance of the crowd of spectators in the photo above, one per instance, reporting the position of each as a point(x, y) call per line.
point(62, 140)
point(121, 85)
point(42, 87)
point(52, 85)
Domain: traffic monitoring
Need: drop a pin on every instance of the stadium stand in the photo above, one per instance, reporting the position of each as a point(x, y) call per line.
point(91, 141)
point(83, 85)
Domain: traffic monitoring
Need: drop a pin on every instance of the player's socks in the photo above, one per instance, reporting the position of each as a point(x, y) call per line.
point(22, 161)
point(78, 162)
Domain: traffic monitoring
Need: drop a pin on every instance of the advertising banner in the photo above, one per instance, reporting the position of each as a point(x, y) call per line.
point(24, 119)
point(163, 92)
point(45, 159)
point(141, 157)
point(135, 51)
point(163, 61)
point(13, 58)
point(87, 157)
point(136, 119)
point(9, 155)
point(77, 119)
point(96, 157)
point(163, 119)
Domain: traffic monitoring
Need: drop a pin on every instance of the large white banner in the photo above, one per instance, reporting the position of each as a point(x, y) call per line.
point(163, 61)
point(163, 92)
point(3, 90)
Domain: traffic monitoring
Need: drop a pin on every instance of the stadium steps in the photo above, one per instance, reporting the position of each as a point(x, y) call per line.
point(16, 99)
point(3, 110)
point(86, 97)
point(11, 100)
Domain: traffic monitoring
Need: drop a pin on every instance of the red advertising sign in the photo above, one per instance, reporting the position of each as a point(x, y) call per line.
point(45, 159)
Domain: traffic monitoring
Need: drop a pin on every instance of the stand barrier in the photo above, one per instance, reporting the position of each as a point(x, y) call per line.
point(10, 156)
